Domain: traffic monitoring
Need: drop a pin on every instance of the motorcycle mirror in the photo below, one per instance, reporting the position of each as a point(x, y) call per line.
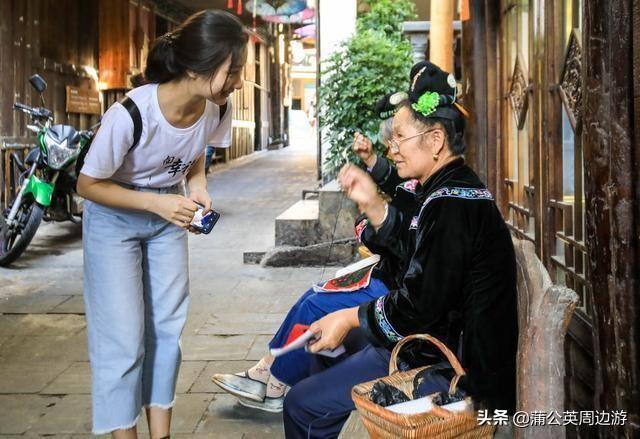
point(38, 83)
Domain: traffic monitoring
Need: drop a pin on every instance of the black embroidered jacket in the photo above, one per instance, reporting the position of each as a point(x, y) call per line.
point(459, 284)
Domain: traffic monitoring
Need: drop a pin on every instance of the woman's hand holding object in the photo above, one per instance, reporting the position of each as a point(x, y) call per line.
point(333, 328)
point(176, 209)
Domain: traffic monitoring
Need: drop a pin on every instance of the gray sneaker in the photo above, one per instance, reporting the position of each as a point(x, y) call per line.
point(271, 405)
point(241, 385)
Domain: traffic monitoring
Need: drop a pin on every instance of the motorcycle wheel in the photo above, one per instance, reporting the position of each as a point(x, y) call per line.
point(14, 242)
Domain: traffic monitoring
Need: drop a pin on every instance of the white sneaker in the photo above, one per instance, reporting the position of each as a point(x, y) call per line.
point(241, 385)
point(271, 405)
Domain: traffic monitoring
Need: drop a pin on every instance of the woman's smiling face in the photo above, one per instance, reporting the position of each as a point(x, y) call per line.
point(225, 81)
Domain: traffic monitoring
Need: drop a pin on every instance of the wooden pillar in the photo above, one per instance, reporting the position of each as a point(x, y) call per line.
point(441, 34)
point(612, 163)
point(479, 82)
point(276, 89)
point(474, 80)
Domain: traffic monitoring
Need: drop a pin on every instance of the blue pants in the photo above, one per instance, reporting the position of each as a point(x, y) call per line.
point(318, 406)
point(136, 279)
point(208, 157)
point(294, 366)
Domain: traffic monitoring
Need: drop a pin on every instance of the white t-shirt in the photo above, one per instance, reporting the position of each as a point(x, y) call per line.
point(164, 154)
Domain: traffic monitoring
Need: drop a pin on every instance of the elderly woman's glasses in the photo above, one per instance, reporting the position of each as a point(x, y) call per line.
point(394, 145)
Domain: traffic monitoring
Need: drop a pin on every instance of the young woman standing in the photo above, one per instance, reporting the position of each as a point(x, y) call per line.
point(135, 223)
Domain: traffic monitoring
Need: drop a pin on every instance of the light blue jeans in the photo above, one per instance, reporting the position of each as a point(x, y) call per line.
point(136, 283)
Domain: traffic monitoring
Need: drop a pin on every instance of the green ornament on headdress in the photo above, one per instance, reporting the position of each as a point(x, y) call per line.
point(427, 103)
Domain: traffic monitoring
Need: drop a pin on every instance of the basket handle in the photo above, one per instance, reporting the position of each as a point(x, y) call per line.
point(453, 360)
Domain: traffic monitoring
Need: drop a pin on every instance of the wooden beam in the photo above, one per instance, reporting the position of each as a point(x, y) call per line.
point(612, 200)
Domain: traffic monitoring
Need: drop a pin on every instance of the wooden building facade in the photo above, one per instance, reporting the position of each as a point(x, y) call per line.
point(96, 46)
point(552, 86)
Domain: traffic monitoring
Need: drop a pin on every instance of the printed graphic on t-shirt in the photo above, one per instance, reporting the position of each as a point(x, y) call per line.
point(175, 164)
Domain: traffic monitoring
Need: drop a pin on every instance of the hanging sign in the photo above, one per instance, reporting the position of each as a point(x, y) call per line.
point(82, 100)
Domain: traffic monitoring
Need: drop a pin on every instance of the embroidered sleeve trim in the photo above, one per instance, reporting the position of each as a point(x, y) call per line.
point(409, 186)
point(383, 323)
point(458, 192)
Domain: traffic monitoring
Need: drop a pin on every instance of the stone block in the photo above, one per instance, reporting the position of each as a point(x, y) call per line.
point(253, 257)
point(338, 253)
point(71, 414)
point(298, 225)
point(41, 324)
point(29, 377)
point(195, 321)
point(337, 213)
point(260, 348)
point(189, 373)
point(74, 305)
point(74, 380)
point(45, 348)
point(187, 414)
point(223, 323)
point(20, 413)
point(226, 416)
point(30, 303)
point(214, 347)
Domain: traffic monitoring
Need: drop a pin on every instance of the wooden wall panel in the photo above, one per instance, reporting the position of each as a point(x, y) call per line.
point(113, 21)
point(55, 39)
point(59, 38)
point(613, 219)
point(547, 53)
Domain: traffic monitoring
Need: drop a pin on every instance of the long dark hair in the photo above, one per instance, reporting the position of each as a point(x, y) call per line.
point(201, 44)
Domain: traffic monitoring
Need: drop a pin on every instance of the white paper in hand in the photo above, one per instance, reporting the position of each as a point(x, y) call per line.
point(303, 342)
point(298, 343)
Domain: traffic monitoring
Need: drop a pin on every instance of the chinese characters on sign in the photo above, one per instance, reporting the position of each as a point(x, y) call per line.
point(539, 418)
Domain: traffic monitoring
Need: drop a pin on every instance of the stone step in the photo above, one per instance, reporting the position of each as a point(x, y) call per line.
point(339, 253)
point(337, 213)
point(299, 225)
point(328, 218)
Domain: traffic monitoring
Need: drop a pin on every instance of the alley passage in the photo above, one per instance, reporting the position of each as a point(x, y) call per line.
point(44, 373)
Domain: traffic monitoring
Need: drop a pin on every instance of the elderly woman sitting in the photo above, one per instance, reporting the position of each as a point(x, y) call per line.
point(263, 386)
point(459, 284)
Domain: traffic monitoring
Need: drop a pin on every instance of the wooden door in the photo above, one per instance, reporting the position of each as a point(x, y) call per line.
point(540, 160)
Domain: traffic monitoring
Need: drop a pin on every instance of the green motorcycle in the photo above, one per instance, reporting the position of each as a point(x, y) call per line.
point(50, 193)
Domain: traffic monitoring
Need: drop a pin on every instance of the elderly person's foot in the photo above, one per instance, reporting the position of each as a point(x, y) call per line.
point(241, 385)
point(251, 384)
point(271, 405)
point(274, 398)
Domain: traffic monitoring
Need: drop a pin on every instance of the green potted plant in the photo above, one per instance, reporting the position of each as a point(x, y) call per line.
point(374, 61)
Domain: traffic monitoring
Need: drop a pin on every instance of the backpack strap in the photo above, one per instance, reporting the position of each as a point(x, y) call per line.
point(134, 112)
point(223, 110)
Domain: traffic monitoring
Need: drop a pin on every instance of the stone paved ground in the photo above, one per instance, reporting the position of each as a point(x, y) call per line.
point(44, 373)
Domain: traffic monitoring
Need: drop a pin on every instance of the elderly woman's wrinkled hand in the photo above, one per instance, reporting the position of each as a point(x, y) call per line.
point(332, 329)
point(363, 147)
point(358, 185)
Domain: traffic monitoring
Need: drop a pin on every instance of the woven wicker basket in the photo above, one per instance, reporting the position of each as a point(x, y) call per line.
point(437, 423)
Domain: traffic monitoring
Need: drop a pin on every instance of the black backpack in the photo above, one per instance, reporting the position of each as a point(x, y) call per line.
point(133, 111)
